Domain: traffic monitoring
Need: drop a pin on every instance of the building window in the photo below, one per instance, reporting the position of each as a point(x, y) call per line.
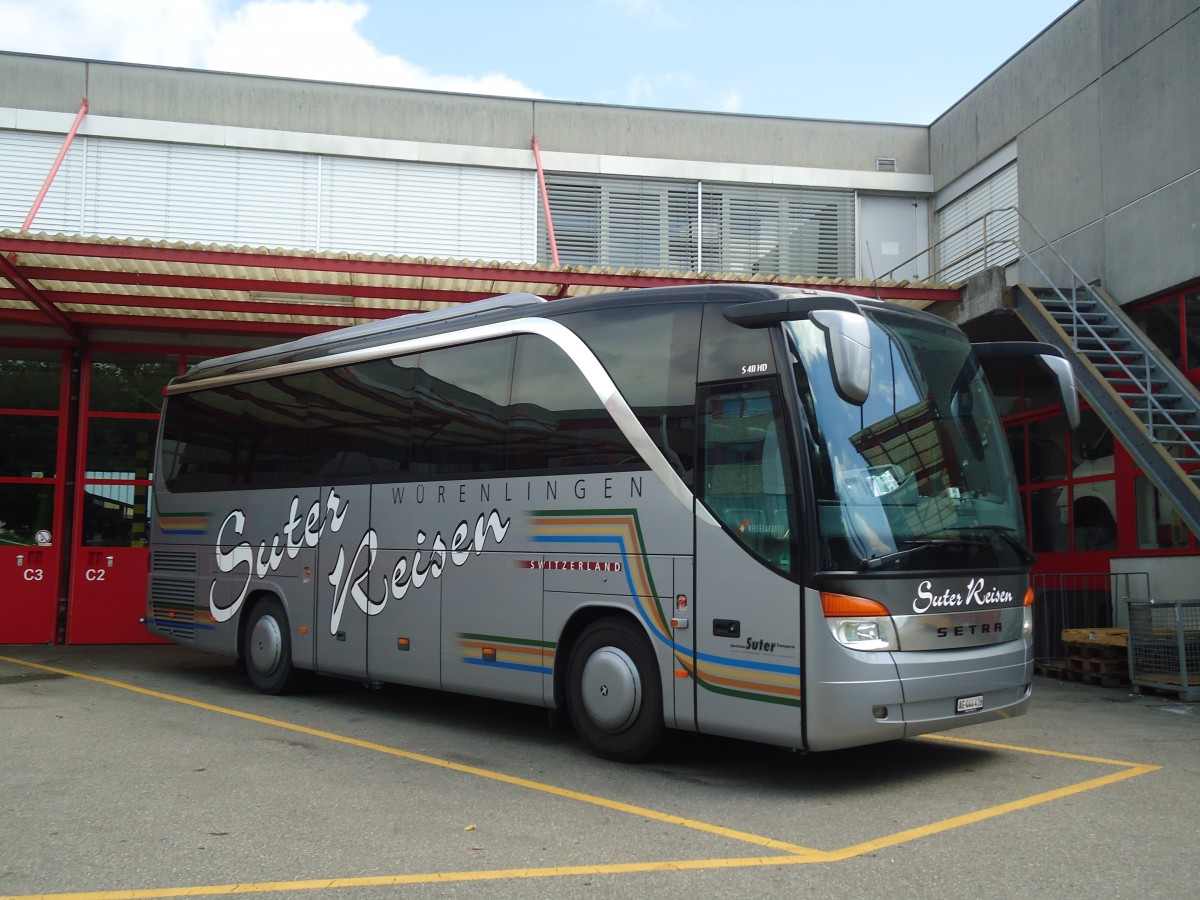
point(1068, 482)
point(1172, 323)
point(1076, 485)
point(30, 395)
point(1191, 333)
point(693, 226)
point(575, 211)
point(124, 396)
point(979, 229)
point(636, 232)
point(1159, 321)
point(1159, 524)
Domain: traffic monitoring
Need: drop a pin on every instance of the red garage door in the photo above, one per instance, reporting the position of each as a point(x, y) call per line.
point(122, 396)
point(33, 395)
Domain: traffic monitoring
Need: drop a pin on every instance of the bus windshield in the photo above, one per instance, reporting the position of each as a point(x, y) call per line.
point(919, 471)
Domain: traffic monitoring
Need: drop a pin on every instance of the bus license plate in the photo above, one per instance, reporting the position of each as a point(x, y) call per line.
point(968, 704)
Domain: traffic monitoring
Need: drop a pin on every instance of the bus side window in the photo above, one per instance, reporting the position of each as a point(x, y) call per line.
point(650, 352)
point(460, 409)
point(270, 447)
point(556, 421)
point(199, 433)
point(359, 421)
point(747, 482)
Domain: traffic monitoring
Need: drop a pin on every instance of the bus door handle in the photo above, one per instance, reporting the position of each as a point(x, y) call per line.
point(727, 628)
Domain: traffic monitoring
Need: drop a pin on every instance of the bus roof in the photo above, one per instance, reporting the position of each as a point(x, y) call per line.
point(495, 309)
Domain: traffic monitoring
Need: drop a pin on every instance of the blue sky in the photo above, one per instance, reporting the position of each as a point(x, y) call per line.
point(869, 60)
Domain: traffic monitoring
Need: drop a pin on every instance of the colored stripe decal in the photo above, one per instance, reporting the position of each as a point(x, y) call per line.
point(751, 679)
point(517, 654)
point(496, 664)
point(183, 523)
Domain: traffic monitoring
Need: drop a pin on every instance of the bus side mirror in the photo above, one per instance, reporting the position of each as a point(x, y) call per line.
point(848, 340)
point(1049, 356)
point(1061, 369)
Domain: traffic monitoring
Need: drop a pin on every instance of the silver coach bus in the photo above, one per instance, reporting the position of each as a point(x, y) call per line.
point(781, 515)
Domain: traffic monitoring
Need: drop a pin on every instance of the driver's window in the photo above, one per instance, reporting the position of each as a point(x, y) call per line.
point(747, 481)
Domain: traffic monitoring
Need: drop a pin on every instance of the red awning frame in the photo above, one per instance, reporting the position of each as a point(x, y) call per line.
point(77, 283)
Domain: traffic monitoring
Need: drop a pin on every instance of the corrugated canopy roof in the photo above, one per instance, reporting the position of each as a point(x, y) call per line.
point(78, 283)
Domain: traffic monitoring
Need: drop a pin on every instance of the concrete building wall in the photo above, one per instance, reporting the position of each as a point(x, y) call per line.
point(1105, 112)
point(290, 105)
point(721, 137)
point(1047, 72)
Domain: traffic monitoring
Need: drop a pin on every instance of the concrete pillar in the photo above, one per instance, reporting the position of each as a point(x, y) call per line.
point(984, 294)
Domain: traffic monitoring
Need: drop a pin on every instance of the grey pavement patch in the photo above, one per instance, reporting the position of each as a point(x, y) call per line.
point(30, 677)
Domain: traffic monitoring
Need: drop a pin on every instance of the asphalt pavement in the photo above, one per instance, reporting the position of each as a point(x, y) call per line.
point(154, 771)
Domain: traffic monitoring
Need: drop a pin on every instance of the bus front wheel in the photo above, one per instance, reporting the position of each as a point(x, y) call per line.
point(614, 691)
point(267, 649)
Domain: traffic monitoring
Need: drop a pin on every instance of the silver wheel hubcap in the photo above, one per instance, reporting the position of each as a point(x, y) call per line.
point(612, 690)
point(266, 645)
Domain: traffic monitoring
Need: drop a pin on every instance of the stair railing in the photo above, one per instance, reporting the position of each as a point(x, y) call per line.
point(1155, 415)
point(985, 247)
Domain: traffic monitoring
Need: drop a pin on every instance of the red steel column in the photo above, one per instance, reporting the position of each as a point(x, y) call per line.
point(37, 203)
point(537, 158)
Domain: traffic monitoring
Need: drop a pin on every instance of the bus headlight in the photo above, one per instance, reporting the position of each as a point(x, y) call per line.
point(859, 624)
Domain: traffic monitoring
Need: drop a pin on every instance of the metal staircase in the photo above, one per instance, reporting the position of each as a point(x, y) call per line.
point(1146, 401)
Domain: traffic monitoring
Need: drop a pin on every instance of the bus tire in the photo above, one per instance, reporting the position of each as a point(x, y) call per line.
point(267, 649)
point(614, 691)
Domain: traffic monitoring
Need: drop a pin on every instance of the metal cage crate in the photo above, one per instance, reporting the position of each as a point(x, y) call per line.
point(1164, 646)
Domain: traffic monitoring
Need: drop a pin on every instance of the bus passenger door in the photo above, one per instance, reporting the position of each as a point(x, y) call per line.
point(347, 549)
point(747, 611)
point(683, 643)
point(404, 639)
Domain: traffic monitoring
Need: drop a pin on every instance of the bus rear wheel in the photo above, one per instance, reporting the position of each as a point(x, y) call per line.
point(614, 691)
point(267, 649)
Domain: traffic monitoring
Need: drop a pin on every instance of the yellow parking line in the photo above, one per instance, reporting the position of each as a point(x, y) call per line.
point(578, 796)
point(912, 834)
point(790, 854)
point(992, 745)
point(685, 865)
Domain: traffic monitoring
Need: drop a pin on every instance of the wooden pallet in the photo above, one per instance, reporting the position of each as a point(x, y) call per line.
point(1101, 661)
point(1105, 637)
point(1169, 685)
point(1099, 652)
point(1050, 668)
point(1103, 672)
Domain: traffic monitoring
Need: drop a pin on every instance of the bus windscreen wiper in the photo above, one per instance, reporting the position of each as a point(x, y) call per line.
point(878, 562)
point(1000, 531)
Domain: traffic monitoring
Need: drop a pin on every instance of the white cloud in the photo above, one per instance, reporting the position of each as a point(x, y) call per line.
point(647, 12)
point(730, 102)
point(317, 39)
point(142, 31)
point(320, 39)
point(641, 90)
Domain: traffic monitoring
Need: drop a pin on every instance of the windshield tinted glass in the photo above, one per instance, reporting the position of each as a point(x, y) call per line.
point(922, 468)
